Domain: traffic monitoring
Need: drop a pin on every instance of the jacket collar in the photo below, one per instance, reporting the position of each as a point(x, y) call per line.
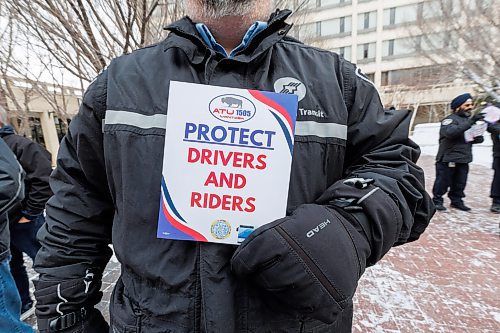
point(185, 36)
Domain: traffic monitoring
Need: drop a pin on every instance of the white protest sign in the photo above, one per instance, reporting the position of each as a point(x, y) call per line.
point(491, 114)
point(477, 129)
point(227, 161)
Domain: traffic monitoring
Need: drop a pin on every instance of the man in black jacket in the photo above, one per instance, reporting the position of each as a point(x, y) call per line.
point(11, 192)
point(26, 217)
point(353, 178)
point(494, 129)
point(455, 153)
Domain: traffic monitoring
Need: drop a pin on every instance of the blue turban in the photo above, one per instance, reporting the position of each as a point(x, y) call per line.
point(459, 100)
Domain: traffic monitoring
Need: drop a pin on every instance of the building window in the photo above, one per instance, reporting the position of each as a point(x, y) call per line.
point(61, 128)
point(384, 79)
point(439, 40)
point(400, 46)
point(418, 76)
point(370, 76)
point(299, 5)
point(326, 3)
point(302, 5)
point(36, 130)
point(403, 14)
point(390, 47)
point(367, 20)
point(344, 51)
point(336, 26)
point(308, 31)
point(366, 51)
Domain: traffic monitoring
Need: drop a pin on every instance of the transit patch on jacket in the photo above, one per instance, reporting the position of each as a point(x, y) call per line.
point(227, 161)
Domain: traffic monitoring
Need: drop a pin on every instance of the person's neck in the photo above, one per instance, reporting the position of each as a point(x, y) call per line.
point(230, 31)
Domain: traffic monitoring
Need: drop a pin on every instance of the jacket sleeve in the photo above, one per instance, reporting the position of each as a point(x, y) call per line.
point(383, 188)
point(36, 162)
point(494, 128)
point(11, 179)
point(77, 231)
point(311, 261)
point(454, 129)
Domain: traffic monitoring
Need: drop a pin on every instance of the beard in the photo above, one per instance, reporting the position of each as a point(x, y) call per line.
point(216, 9)
point(464, 112)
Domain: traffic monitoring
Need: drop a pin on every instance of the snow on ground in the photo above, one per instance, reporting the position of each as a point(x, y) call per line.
point(447, 281)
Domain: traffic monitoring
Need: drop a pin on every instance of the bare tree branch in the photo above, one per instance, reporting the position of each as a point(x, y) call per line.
point(466, 35)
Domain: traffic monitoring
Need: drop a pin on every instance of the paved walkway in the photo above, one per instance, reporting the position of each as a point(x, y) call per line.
point(448, 281)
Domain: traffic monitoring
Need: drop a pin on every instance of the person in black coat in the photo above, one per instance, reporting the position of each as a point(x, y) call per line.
point(455, 154)
point(494, 129)
point(11, 192)
point(26, 217)
point(355, 190)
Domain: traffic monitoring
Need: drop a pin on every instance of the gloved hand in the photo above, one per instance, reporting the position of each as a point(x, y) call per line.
point(91, 321)
point(75, 299)
point(478, 139)
point(476, 117)
point(309, 262)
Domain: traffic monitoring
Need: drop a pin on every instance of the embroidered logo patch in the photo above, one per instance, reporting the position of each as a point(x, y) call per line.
point(446, 122)
point(289, 85)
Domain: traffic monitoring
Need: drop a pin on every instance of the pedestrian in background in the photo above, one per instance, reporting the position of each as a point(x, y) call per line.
point(26, 217)
point(11, 192)
point(494, 129)
point(455, 153)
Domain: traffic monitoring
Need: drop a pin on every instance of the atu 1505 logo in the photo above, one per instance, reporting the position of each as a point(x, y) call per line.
point(232, 108)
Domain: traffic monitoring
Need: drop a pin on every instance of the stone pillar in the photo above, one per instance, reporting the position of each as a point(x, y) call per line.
point(50, 134)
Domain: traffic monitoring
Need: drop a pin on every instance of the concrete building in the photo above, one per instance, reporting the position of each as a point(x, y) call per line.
point(378, 35)
point(381, 37)
point(43, 102)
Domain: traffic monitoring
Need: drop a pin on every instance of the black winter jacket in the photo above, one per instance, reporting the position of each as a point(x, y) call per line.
point(452, 144)
point(36, 162)
point(494, 129)
point(11, 192)
point(107, 188)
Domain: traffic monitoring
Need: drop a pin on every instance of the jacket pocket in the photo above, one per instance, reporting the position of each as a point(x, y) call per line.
point(125, 317)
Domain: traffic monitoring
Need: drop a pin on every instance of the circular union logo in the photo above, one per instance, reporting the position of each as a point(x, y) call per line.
point(232, 108)
point(290, 85)
point(220, 229)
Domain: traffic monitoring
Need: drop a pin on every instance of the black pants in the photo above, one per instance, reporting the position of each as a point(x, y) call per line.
point(23, 239)
point(495, 185)
point(452, 178)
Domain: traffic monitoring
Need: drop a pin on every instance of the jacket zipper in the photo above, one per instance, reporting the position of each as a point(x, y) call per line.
point(334, 293)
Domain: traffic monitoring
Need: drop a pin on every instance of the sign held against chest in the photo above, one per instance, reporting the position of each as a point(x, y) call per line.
point(223, 151)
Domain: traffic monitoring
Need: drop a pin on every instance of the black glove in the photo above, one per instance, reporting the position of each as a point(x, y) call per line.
point(478, 139)
point(83, 321)
point(75, 299)
point(476, 117)
point(309, 263)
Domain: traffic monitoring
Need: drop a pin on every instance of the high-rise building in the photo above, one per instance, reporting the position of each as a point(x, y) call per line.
point(390, 41)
